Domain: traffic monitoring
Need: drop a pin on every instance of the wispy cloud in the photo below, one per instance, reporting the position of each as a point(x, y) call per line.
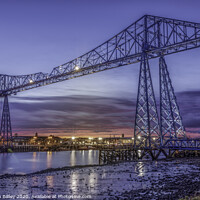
point(79, 111)
point(91, 113)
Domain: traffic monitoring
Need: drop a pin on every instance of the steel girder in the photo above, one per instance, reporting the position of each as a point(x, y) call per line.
point(6, 129)
point(159, 34)
point(182, 144)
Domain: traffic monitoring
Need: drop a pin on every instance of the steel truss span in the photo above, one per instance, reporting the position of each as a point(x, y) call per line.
point(152, 33)
point(149, 37)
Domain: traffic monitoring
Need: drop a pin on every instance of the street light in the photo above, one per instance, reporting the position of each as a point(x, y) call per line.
point(73, 138)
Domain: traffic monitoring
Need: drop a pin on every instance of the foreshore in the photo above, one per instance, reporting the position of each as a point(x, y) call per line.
point(163, 179)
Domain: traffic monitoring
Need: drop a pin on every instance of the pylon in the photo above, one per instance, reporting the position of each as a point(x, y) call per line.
point(6, 129)
point(146, 130)
point(170, 118)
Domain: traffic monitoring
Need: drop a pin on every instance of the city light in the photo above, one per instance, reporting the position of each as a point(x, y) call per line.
point(100, 138)
point(73, 138)
point(30, 81)
point(90, 138)
point(132, 138)
point(139, 137)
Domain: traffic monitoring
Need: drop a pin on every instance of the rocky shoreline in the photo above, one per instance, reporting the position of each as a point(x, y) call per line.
point(172, 179)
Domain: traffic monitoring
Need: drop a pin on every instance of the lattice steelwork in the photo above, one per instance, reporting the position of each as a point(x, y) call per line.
point(146, 131)
point(147, 38)
point(171, 122)
point(183, 144)
point(6, 129)
point(160, 34)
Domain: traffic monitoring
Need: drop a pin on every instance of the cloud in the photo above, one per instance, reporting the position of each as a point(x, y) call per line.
point(77, 111)
point(190, 108)
point(90, 112)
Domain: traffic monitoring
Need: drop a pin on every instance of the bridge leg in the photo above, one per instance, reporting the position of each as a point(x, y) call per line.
point(170, 118)
point(6, 130)
point(146, 130)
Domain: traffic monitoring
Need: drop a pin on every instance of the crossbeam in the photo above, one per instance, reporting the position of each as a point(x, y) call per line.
point(182, 144)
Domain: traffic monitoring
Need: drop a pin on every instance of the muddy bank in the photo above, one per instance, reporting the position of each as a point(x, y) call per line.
point(172, 179)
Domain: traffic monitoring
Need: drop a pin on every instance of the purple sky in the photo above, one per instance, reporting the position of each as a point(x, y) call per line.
point(39, 35)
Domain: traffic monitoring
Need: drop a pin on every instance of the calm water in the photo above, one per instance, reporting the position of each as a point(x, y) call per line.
point(27, 162)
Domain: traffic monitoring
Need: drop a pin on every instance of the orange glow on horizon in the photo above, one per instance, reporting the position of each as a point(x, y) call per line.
point(112, 132)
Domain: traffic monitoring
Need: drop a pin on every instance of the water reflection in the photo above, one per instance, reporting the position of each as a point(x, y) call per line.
point(49, 183)
point(139, 153)
point(73, 158)
point(28, 162)
point(4, 162)
point(139, 168)
point(34, 161)
point(93, 179)
point(90, 156)
point(49, 159)
point(74, 182)
point(34, 155)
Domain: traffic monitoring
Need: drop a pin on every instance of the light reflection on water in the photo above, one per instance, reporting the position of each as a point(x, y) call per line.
point(27, 162)
point(73, 158)
point(74, 182)
point(49, 159)
point(93, 179)
point(49, 181)
point(139, 168)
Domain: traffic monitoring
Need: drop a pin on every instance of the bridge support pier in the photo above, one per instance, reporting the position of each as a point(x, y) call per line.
point(6, 129)
point(146, 131)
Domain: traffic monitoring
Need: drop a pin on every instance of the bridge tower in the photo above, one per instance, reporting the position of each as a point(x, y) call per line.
point(171, 125)
point(152, 131)
point(146, 131)
point(6, 129)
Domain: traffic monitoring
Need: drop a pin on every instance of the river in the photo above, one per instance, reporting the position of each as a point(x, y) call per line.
point(28, 162)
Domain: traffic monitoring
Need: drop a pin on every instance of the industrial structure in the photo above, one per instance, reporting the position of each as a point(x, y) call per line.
point(148, 38)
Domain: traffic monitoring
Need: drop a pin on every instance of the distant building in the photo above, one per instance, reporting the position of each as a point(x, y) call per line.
point(21, 140)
